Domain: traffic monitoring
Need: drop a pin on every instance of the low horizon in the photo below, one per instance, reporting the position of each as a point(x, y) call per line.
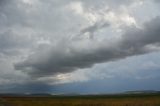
point(121, 93)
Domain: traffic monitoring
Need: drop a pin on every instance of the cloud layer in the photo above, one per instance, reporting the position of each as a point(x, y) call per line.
point(67, 58)
point(61, 41)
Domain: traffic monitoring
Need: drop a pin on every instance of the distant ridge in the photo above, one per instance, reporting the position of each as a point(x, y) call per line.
point(141, 92)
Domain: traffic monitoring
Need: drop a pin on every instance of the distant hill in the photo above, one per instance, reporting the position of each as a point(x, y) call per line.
point(141, 92)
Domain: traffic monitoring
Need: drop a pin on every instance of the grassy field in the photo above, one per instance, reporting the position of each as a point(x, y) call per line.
point(103, 100)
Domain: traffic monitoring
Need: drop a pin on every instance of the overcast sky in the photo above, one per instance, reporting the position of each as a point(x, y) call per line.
point(80, 46)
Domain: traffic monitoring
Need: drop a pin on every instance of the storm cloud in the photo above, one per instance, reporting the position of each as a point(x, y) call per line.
point(65, 59)
point(50, 42)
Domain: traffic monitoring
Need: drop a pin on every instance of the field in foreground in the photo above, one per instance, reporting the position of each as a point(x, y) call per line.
point(101, 100)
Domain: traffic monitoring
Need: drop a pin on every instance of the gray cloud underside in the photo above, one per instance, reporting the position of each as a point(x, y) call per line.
point(66, 58)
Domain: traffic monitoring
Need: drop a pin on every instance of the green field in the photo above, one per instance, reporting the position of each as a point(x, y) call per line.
point(89, 100)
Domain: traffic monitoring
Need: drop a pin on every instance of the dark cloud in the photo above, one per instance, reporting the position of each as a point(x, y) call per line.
point(65, 59)
point(40, 39)
point(139, 39)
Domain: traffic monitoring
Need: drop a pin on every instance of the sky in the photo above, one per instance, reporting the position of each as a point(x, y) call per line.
point(79, 46)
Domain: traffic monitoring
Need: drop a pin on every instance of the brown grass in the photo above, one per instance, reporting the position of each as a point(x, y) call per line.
point(80, 101)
